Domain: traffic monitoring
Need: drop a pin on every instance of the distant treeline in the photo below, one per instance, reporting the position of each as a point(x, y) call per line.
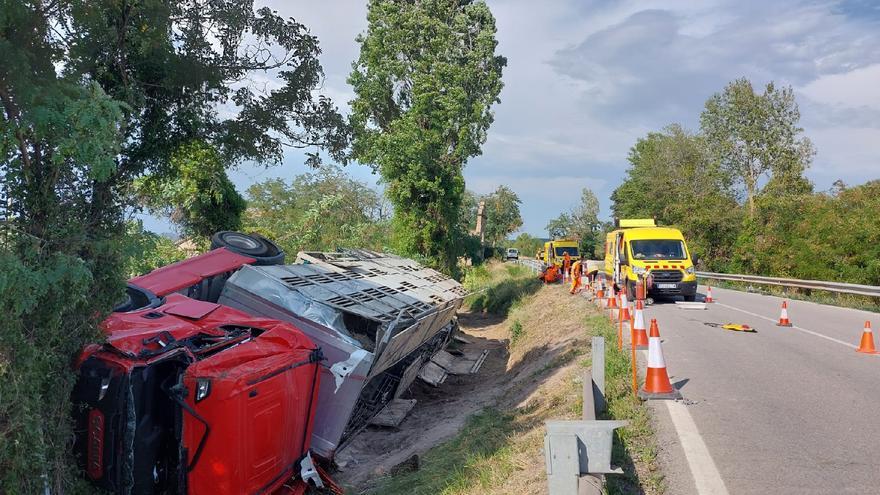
point(738, 192)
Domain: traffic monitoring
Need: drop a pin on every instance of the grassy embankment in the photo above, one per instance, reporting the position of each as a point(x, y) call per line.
point(499, 451)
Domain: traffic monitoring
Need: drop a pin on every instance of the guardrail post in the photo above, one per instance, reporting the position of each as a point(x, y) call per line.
point(598, 372)
point(578, 453)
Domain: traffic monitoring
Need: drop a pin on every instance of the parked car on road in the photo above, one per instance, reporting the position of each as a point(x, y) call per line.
point(511, 254)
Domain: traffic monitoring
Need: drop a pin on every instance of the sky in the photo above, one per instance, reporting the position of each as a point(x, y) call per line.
point(586, 79)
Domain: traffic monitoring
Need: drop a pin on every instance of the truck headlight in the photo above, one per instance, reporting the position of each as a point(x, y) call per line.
point(689, 270)
point(639, 270)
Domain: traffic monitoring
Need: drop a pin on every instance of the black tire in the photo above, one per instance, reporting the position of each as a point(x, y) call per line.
point(690, 298)
point(254, 246)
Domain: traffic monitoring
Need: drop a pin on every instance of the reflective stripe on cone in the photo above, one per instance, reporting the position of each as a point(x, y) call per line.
point(657, 384)
point(640, 334)
point(783, 316)
point(866, 346)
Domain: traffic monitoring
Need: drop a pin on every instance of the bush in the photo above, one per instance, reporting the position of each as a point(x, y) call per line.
point(49, 314)
point(516, 332)
point(495, 290)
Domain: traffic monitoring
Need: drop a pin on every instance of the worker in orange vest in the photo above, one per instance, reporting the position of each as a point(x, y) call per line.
point(566, 265)
point(575, 277)
point(550, 275)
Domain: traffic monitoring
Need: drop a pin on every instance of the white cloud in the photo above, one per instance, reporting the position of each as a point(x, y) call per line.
point(854, 89)
point(585, 79)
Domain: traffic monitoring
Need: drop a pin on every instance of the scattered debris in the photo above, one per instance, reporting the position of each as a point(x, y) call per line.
point(433, 374)
point(394, 413)
point(467, 364)
point(735, 327)
point(690, 305)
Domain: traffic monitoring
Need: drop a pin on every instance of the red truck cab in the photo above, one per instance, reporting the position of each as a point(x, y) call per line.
point(188, 396)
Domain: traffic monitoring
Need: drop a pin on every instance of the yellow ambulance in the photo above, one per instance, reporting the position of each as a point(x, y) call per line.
point(659, 255)
point(554, 251)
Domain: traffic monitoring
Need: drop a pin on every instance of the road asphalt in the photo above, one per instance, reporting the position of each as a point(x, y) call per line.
point(780, 411)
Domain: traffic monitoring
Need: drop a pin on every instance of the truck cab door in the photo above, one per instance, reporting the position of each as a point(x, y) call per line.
point(619, 257)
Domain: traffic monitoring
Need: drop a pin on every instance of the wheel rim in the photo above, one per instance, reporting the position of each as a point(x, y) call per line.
point(241, 241)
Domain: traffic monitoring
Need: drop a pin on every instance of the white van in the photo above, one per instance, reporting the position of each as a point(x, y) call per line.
point(511, 254)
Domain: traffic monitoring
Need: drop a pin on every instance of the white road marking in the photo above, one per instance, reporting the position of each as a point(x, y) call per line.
point(817, 334)
point(703, 469)
point(706, 476)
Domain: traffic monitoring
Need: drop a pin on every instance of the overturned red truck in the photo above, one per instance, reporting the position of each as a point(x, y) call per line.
point(224, 373)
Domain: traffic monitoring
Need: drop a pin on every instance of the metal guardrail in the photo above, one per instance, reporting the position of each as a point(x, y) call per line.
point(534, 265)
point(578, 453)
point(839, 287)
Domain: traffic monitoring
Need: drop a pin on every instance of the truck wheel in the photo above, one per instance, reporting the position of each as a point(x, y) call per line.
point(690, 298)
point(630, 291)
point(254, 246)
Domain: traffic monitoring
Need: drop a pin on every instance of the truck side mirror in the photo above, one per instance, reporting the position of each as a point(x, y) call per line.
point(696, 259)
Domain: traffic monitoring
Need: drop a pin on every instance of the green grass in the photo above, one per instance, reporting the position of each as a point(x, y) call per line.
point(480, 453)
point(516, 332)
point(496, 451)
point(497, 287)
point(635, 443)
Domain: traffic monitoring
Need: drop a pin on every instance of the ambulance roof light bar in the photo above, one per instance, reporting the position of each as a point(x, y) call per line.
point(625, 223)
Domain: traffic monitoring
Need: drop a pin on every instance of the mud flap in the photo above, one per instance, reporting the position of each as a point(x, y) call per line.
point(308, 472)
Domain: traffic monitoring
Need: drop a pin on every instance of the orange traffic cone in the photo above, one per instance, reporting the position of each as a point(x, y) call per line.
point(612, 303)
point(600, 291)
point(657, 384)
point(866, 346)
point(783, 317)
point(624, 307)
point(709, 295)
point(612, 299)
point(640, 335)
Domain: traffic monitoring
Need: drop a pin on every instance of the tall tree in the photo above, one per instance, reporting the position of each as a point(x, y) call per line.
point(321, 210)
point(59, 267)
point(585, 221)
point(753, 135)
point(425, 82)
point(673, 178)
point(502, 214)
point(197, 71)
point(559, 227)
point(200, 199)
point(93, 95)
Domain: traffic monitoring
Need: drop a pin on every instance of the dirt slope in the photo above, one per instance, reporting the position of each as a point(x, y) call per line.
point(531, 374)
